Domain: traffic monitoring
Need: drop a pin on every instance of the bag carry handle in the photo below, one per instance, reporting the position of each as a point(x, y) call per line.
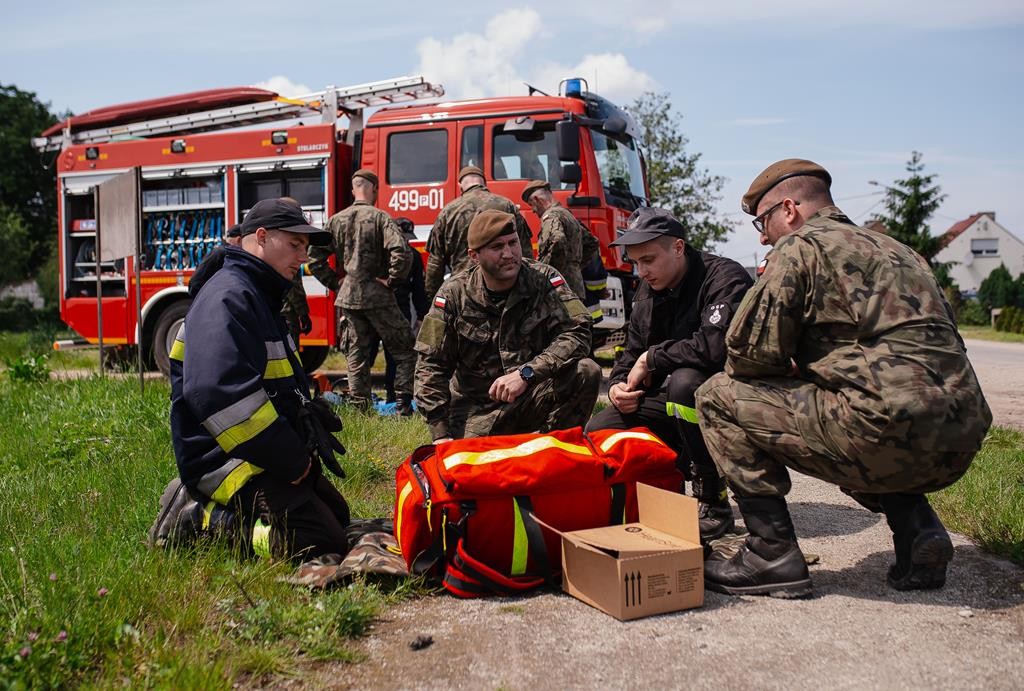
point(467, 576)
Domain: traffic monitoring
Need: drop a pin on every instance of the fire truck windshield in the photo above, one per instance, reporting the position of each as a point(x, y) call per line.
point(618, 160)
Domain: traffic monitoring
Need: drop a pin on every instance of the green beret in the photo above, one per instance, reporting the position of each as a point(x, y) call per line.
point(489, 225)
point(776, 173)
point(469, 170)
point(366, 174)
point(532, 187)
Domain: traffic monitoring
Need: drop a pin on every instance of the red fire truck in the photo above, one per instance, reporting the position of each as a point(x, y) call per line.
point(205, 158)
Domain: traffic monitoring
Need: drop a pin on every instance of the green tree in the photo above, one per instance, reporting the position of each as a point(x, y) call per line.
point(14, 238)
point(909, 203)
point(27, 184)
point(676, 178)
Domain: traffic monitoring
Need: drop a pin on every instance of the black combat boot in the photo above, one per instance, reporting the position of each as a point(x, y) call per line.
point(923, 548)
point(769, 562)
point(404, 407)
point(714, 512)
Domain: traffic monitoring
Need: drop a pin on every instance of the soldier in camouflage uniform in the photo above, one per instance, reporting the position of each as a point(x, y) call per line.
point(372, 256)
point(504, 347)
point(563, 243)
point(844, 363)
point(446, 245)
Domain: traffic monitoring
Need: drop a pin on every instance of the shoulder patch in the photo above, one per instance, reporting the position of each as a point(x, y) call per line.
point(557, 281)
point(431, 332)
point(440, 302)
point(574, 307)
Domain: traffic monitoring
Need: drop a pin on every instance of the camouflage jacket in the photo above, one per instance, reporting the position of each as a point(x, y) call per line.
point(448, 241)
point(295, 305)
point(367, 246)
point(861, 316)
point(466, 341)
point(566, 245)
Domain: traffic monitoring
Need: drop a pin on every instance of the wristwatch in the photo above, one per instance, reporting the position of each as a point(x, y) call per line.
point(526, 372)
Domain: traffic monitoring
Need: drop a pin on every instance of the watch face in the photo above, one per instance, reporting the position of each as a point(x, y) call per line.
point(526, 372)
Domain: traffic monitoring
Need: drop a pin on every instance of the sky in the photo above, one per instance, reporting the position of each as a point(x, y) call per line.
point(854, 87)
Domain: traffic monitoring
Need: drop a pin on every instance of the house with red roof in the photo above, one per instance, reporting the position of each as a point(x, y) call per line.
point(977, 245)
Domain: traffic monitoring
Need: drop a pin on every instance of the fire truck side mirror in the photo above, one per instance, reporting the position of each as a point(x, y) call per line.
point(567, 135)
point(571, 173)
point(614, 125)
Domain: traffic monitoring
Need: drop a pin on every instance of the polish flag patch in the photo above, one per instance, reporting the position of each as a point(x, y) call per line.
point(557, 281)
point(440, 302)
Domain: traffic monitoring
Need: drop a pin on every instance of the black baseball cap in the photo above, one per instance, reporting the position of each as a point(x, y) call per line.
point(646, 224)
point(276, 214)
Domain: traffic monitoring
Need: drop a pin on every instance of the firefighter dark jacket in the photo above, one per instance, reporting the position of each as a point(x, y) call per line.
point(685, 326)
point(236, 382)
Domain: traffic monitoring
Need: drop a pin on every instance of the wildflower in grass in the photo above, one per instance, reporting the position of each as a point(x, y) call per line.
point(25, 652)
point(32, 636)
point(62, 636)
point(102, 592)
point(53, 576)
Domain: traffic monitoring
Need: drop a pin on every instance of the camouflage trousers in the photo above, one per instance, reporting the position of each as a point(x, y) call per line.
point(757, 430)
point(563, 401)
point(366, 327)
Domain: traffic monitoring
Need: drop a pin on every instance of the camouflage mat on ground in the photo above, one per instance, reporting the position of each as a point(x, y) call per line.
point(374, 555)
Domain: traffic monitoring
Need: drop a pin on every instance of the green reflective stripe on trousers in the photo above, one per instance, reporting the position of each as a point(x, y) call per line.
point(234, 481)
point(278, 369)
point(207, 512)
point(261, 539)
point(678, 410)
point(247, 429)
point(519, 542)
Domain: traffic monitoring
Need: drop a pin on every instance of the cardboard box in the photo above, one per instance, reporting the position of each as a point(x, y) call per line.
point(636, 570)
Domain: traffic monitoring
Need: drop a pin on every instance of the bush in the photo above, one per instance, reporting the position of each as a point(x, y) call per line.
point(48, 280)
point(17, 314)
point(973, 313)
point(1010, 320)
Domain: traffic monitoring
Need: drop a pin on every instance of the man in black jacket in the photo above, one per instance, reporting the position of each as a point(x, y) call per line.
point(241, 418)
point(675, 342)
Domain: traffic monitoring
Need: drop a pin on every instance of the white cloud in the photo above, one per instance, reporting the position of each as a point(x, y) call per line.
point(473, 65)
point(497, 61)
point(284, 86)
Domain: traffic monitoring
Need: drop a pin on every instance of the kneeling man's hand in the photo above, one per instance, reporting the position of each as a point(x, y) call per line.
point(639, 376)
point(507, 388)
point(625, 399)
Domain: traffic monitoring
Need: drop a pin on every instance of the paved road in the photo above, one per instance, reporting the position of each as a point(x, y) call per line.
point(856, 632)
point(1000, 369)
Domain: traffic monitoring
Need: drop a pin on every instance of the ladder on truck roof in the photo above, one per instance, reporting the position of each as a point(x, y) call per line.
point(329, 103)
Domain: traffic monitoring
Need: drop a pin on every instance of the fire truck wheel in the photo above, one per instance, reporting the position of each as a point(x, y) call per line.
point(163, 335)
point(312, 357)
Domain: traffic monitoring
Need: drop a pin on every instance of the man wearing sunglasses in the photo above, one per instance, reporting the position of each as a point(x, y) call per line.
point(844, 363)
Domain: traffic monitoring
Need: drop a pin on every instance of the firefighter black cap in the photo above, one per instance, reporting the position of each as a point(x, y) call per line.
point(647, 223)
point(277, 214)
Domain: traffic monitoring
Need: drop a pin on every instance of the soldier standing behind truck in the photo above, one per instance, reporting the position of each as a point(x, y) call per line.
point(447, 243)
point(372, 258)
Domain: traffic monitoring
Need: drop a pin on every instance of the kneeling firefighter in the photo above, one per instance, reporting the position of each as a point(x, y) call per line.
point(248, 439)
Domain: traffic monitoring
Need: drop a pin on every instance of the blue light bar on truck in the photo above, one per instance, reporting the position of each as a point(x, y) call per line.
point(574, 88)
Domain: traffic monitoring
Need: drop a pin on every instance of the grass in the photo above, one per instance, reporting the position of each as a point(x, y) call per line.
point(987, 333)
point(988, 501)
point(16, 345)
point(83, 601)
